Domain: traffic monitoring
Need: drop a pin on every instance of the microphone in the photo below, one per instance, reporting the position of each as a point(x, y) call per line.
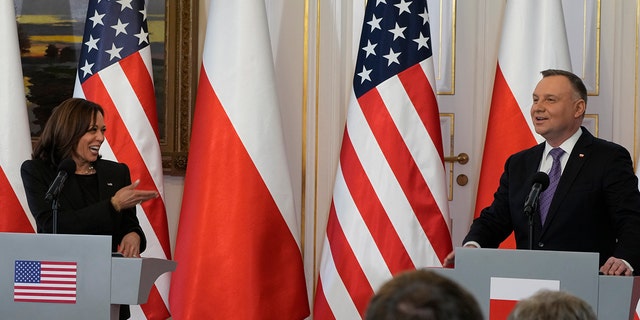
point(540, 182)
point(66, 167)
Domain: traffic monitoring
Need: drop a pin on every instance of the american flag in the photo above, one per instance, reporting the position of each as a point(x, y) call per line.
point(45, 281)
point(390, 209)
point(115, 71)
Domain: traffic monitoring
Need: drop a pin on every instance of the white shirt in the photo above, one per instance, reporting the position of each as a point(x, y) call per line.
point(567, 146)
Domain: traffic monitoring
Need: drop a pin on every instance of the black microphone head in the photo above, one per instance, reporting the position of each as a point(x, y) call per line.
point(541, 178)
point(67, 165)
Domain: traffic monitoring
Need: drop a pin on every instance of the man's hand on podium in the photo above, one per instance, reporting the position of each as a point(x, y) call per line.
point(450, 260)
point(616, 267)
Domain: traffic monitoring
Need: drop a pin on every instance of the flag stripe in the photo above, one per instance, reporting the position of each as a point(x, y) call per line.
point(15, 137)
point(43, 299)
point(390, 209)
point(372, 211)
point(333, 290)
point(13, 218)
point(321, 306)
point(354, 229)
point(139, 76)
point(413, 81)
point(156, 305)
point(49, 284)
point(347, 265)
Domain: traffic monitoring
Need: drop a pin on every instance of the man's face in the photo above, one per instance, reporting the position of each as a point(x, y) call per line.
point(557, 110)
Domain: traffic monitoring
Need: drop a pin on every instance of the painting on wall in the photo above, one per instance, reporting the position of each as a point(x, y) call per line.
point(50, 35)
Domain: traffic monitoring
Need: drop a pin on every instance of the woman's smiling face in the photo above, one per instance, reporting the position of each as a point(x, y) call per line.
point(89, 144)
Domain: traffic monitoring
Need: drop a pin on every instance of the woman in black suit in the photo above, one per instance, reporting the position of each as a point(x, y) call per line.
point(97, 197)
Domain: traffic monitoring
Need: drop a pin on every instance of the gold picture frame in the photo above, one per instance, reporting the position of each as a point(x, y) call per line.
point(181, 70)
point(54, 33)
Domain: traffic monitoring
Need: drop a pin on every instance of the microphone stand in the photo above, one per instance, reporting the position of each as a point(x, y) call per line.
point(54, 210)
point(530, 215)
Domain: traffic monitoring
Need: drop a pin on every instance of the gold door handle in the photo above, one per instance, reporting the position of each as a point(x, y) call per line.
point(461, 158)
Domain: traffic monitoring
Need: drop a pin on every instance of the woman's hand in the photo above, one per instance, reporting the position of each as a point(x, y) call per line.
point(130, 245)
point(129, 196)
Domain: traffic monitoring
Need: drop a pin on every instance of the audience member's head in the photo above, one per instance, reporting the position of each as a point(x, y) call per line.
point(422, 295)
point(552, 305)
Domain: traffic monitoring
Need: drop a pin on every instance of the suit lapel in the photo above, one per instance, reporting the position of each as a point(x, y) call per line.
point(577, 158)
point(106, 183)
point(532, 165)
point(532, 161)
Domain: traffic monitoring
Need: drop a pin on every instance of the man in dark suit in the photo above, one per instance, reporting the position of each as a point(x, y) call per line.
point(596, 205)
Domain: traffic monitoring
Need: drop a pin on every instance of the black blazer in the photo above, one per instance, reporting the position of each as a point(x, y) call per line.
point(75, 214)
point(596, 207)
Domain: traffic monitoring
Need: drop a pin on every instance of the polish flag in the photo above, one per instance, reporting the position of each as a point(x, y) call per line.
point(504, 293)
point(238, 242)
point(533, 39)
point(15, 138)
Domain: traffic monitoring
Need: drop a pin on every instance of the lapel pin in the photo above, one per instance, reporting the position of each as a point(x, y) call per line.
point(110, 184)
point(581, 155)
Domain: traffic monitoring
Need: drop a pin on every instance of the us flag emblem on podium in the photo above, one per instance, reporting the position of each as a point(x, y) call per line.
point(45, 281)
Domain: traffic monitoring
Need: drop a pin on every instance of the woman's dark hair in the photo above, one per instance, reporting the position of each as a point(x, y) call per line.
point(68, 123)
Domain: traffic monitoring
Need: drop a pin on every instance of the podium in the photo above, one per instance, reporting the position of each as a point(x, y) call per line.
point(496, 277)
point(47, 276)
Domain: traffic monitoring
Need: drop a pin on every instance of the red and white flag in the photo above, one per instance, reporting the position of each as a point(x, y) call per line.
point(389, 211)
point(533, 39)
point(238, 243)
point(15, 139)
point(504, 293)
point(115, 71)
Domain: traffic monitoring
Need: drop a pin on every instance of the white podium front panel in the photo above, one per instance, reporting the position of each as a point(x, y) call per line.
point(38, 273)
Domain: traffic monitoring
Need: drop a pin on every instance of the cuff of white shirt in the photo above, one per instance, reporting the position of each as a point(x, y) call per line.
point(627, 264)
point(472, 243)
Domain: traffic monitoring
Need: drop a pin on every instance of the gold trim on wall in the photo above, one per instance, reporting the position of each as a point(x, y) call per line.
point(181, 71)
point(594, 126)
point(449, 117)
point(438, 63)
point(598, 28)
point(317, 133)
point(583, 20)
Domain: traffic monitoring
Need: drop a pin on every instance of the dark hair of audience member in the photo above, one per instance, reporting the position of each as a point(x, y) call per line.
point(422, 295)
point(552, 305)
